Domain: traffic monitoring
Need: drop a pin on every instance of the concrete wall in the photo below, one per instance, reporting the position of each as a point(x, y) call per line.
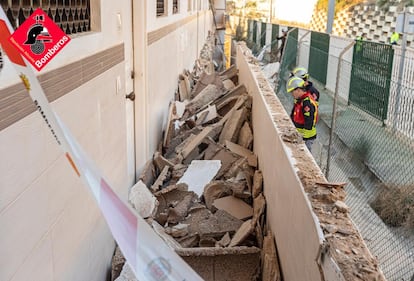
point(171, 49)
point(296, 230)
point(51, 228)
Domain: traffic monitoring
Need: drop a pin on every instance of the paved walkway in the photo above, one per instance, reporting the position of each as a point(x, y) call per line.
point(365, 154)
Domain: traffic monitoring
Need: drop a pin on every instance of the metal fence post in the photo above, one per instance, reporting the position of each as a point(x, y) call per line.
point(333, 121)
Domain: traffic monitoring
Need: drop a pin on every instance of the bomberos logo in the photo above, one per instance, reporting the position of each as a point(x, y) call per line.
point(39, 39)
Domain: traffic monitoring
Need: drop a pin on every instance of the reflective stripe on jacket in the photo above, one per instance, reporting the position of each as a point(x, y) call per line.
point(305, 115)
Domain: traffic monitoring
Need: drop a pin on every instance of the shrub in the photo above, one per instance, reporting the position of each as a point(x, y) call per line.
point(395, 205)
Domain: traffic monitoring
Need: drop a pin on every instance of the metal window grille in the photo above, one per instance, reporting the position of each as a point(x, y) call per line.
point(160, 8)
point(72, 16)
point(175, 6)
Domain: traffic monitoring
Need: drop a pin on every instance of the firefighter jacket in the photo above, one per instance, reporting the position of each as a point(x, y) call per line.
point(315, 93)
point(305, 115)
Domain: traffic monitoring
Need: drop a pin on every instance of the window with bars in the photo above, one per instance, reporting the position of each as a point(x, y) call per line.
point(161, 8)
point(175, 6)
point(72, 16)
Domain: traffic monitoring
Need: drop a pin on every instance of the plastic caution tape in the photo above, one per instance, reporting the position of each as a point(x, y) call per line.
point(148, 255)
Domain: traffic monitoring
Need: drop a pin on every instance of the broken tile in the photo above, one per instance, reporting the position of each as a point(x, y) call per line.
point(234, 206)
point(200, 173)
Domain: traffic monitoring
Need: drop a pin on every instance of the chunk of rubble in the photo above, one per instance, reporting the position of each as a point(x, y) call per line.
point(204, 175)
point(199, 174)
point(234, 206)
point(143, 200)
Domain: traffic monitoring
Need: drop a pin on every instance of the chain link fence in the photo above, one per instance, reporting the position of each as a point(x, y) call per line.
point(370, 141)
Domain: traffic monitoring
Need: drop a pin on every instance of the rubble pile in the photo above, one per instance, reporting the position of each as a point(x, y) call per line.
point(202, 189)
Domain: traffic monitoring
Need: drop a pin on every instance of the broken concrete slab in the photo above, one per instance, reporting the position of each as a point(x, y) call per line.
point(227, 159)
point(183, 87)
point(211, 114)
point(143, 200)
point(234, 206)
point(206, 96)
point(215, 190)
point(219, 224)
point(232, 127)
point(194, 142)
point(257, 183)
point(199, 174)
point(259, 205)
point(147, 175)
point(160, 180)
point(244, 152)
point(225, 241)
point(242, 233)
point(189, 241)
point(179, 212)
point(270, 260)
point(160, 162)
point(228, 85)
point(229, 73)
point(245, 136)
point(205, 80)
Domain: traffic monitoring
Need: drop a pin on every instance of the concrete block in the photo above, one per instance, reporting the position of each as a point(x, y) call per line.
point(223, 264)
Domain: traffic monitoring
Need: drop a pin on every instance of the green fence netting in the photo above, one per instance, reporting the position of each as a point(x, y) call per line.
point(318, 57)
point(370, 77)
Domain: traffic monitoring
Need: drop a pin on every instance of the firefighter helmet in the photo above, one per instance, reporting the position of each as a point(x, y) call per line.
point(294, 83)
point(301, 72)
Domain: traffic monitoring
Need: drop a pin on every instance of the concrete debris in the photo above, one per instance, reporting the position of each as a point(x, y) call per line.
point(341, 207)
point(118, 262)
point(230, 73)
point(228, 85)
point(242, 233)
point(270, 259)
point(200, 173)
point(204, 176)
point(244, 152)
point(234, 206)
point(225, 241)
point(142, 200)
point(179, 230)
point(179, 212)
point(160, 180)
point(257, 183)
point(126, 274)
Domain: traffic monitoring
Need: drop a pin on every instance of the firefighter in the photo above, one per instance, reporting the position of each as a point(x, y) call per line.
point(302, 73)
point(305, 110)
